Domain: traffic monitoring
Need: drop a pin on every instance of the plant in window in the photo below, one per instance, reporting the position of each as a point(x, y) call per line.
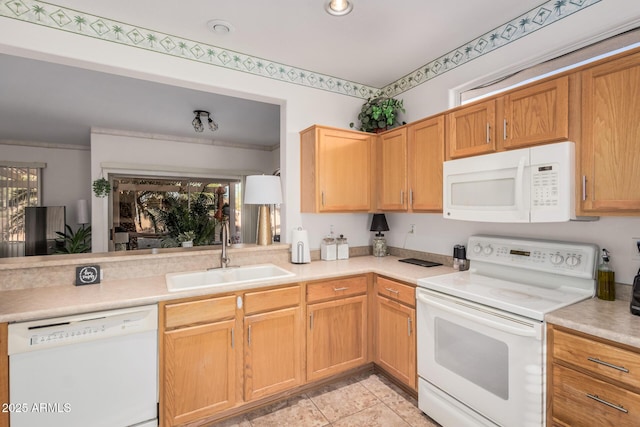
point(181, 220)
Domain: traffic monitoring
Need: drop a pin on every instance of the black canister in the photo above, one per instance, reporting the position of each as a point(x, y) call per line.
point(459, 257)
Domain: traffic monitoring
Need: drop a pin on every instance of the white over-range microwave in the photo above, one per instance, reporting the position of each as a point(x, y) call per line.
point(534, 184)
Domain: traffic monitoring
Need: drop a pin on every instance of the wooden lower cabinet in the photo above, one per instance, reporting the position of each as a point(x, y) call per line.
point(273, 350)
point(336, 331)
point(396, 340)
point(218, 354)
point(592, 382)
point(198, 360)
point(395, 324)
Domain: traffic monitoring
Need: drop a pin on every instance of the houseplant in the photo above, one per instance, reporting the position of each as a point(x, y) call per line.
point(379, 114)
point(77, 242)
point(101, 187)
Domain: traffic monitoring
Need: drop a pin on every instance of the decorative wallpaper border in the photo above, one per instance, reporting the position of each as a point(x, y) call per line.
point(525, 24)
point(82, 23)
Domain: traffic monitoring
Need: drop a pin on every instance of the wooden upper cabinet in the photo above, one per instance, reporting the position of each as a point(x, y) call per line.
point(536, 114)
point(392, 170)
point(336, 170)
point(472, 130)
point(610, 153)
point(426, 154)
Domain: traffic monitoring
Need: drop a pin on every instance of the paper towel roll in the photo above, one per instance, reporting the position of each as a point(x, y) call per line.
point(300, 253)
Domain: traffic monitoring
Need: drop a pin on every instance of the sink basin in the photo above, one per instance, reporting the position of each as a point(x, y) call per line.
point(224, 276)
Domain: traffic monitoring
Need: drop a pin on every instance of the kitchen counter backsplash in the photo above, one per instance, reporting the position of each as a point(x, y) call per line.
point(47, 271)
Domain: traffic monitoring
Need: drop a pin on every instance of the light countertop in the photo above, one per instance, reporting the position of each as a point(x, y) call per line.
point(605, 319)
point(46, 302)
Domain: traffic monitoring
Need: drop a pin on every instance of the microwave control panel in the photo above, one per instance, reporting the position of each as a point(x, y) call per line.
point(544, 182)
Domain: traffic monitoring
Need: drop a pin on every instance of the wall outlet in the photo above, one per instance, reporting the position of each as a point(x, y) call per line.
point(635, 249)
point(412, 230)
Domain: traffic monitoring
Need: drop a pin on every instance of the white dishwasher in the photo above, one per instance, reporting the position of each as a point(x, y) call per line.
point(95, 369)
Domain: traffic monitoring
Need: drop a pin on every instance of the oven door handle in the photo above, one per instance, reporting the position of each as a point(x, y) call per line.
point(490, 323)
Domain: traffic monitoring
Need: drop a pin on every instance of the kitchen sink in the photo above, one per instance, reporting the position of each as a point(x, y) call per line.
point(224, 276)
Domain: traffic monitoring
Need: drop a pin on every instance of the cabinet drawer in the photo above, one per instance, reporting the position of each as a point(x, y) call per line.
point(336, 288)
point(273, 299)
point(396, 290)
point(579, 400)
point(202, 311)
point(597, 357)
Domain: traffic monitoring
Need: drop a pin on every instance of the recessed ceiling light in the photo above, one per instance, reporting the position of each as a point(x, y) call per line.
point(220, 26)
point(338, 7)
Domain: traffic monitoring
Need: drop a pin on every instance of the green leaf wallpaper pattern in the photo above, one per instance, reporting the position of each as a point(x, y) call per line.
point(85, 24)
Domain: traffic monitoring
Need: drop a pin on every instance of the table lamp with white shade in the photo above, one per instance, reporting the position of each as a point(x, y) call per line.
point(263, 190)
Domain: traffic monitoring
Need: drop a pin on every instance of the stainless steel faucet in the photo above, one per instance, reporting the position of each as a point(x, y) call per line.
point(224, 259)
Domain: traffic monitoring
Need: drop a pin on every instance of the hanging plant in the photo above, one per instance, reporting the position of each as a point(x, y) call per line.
point(101, 187)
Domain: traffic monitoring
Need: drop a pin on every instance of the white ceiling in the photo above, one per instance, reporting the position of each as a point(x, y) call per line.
point(378, 43)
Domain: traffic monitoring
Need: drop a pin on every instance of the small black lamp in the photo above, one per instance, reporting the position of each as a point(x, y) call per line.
point(379, 223)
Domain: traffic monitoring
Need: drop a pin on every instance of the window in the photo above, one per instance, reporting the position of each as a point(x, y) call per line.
point(19, 189)
point(593, 52)
point(150, 212)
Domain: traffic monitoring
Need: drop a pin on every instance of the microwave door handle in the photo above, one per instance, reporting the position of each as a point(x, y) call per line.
point(519, 187)
point(490, 323)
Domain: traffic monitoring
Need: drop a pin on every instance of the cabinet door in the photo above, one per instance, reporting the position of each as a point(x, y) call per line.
point(537, 114)
point(199, 371)
point(472, 130)
point(335, 170)
point(336, 336)
point(610, 129)
point(391, 173)
point(396, 340)
point(426, 155)
point(273, 352)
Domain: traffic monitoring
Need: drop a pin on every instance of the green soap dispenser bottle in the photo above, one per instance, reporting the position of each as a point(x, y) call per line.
point(606, 279)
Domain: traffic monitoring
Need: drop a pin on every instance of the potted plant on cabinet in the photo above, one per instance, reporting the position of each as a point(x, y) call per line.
point(379, 114)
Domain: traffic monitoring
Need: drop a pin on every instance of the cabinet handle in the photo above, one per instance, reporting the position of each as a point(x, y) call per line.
point(233, 338)
point(340, 289)
point(609, 404)
point(608, 365)
point(504, 129)
point(411, 197)
point(488, 133)
point(584, 187)
point(249, 335)
point(393, 291)
point(402, 197)
point(311, 321)
point(322, 195)
point(408, 326)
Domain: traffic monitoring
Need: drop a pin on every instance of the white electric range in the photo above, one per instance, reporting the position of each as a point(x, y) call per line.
point(481, 335)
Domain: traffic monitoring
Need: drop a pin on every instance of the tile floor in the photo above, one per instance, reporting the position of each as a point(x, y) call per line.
point(368, 400)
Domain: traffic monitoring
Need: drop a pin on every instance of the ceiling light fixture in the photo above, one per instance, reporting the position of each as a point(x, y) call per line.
point(338, 7)
point(220, 26)
point(197, 121)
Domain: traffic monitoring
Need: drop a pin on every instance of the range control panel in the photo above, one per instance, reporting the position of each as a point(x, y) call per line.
point(569, 258)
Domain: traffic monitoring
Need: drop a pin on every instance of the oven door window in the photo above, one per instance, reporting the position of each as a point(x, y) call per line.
point(481, 359)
